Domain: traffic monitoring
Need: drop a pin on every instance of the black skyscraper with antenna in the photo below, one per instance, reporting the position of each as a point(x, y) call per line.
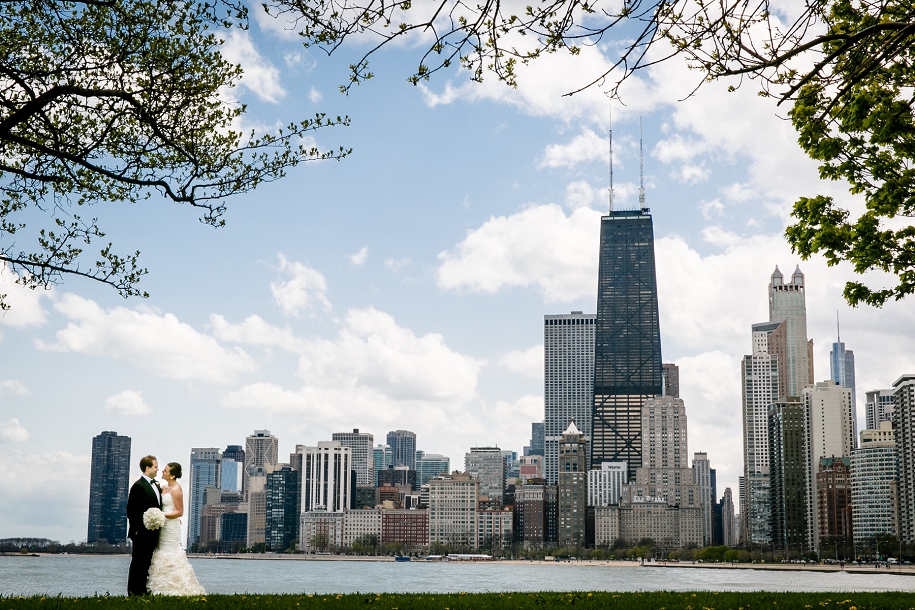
point(627, 358)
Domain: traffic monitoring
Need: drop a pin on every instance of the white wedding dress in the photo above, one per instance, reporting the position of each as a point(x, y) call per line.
point(170, 573)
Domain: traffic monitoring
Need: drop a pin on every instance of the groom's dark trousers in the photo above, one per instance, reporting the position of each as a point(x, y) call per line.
point(142, 497)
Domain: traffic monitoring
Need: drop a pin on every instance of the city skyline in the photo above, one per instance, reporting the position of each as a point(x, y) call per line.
point(363, 294)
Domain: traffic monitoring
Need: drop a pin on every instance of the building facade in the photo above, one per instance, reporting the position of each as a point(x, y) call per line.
point(627, 341)
point(605, 485)
point(261, 452)
point(430, 465)
point(204, 472)
point(842, 368)
point(485, 464)
point(787, 302)
point(834, 494)
point(363, 456)
point(326, 481)
point(403, 448)
point(410, 528)
point(879, 407)
point(495, 528)
point(109, 485)
point(874, 471)
point(362, 526)
point(383, 459)
point(568, 345)
point(283, 496)
point(453, 506)
point(702, 476)
point(321, 531)
point(572, 486)
point(789, 465)
point(904, 426)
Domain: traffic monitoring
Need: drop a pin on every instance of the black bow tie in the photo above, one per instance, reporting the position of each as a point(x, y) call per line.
point(154, 482)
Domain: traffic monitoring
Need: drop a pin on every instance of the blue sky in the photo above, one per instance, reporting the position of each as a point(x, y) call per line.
point(405, 286)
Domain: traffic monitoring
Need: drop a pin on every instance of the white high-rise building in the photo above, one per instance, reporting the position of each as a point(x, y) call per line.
point(879, 406)
point(326, 477)
point(874, 470)
point(453, 507)
point(363, 456)
point(759, 389)
point(830, 433)
point(605, 486)
point(568, 345)
point(702, 476)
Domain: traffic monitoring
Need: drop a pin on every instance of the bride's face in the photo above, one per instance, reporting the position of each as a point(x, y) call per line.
point(165, 473)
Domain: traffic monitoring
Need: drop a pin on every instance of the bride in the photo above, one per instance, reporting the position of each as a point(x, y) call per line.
point(170, 572)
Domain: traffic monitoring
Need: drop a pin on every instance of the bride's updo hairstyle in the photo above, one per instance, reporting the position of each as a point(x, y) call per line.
point(174, 469)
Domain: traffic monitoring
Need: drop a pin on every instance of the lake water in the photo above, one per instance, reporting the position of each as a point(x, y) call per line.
point(74, 576)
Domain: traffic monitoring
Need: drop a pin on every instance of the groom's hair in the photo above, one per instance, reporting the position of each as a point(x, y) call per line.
point(146, 462)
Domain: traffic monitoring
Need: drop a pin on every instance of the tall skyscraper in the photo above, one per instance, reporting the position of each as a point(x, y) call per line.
point(537, 439)
point(728, 522)
point(568, 345)
point(232, 469)
point(670, 374)
point(874, 470)
point(627, 343)
point(904, 426)
point(261, 451)
point(702, 476)
point(282, 501)
point(204, 472)
point(403, 448)
point(572, 486)
point(830, 433)
point(326, 477)
point(363, 455)
point(486, 465)
point(109, 483)
point(788, 459)
point(383, 457)
point(787, 302)
point(879, 407)
point(842, 371)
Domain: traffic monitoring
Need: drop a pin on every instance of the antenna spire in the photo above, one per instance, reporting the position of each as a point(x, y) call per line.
point(610, 144)
point(838, 334)
point(641, 170)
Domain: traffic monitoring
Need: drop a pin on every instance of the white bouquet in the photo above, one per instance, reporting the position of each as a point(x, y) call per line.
point(153, 519)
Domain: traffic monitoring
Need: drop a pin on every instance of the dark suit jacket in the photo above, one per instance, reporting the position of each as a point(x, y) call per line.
point(142, 497)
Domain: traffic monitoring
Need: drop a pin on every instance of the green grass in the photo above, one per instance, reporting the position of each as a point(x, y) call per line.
point(703, 600)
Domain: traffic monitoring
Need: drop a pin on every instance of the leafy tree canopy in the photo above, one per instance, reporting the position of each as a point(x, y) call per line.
point(121, 101)
point(844, 65)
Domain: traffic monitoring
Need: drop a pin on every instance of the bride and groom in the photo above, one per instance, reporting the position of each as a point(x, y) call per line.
point(158, 564)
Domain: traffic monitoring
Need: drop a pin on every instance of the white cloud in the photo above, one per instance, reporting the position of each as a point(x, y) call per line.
point(14, 387)
point(50, 499)
point(585, 147)
point(254, 330)
point(527, 362)
point(128, 402)
point(305, 289)
point(373, 368)
point(260, 77)
point(160, 344)
point(396, 265)
point(580, 194)
point(709, 207)
point(11, 431)
point(360, 257)
point(540, 246)
point(25, 303)
point(314, 95)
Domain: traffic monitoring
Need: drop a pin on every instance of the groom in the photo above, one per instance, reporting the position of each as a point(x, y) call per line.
point(144, 494)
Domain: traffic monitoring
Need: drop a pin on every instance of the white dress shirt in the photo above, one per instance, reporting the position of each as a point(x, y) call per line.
point(155, 489)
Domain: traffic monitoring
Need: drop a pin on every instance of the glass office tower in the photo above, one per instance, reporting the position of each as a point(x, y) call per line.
point(627, 345)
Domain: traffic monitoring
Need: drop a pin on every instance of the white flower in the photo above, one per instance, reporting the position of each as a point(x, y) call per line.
point(153, 519)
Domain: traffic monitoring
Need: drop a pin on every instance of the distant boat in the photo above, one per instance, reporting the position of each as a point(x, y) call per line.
point(402, 558)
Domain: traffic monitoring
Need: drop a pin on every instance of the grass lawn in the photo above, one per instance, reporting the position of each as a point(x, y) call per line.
point(700, 600)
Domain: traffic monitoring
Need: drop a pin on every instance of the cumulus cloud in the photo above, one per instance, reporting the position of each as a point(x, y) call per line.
point(580, 194)
point(396, 265)
point(128, 402)
point(304, 290)
point(527, 362)
point(254, 330)
point(51, 490)
point(539, 246)
point(360, 257)
point(25, 304)
point(314, 95)
point(585, 147)
point(260, 76)
point(14, 388)
point(11, 431)
point(159, 344)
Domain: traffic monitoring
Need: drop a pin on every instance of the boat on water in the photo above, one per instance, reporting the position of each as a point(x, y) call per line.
point(401, 558)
